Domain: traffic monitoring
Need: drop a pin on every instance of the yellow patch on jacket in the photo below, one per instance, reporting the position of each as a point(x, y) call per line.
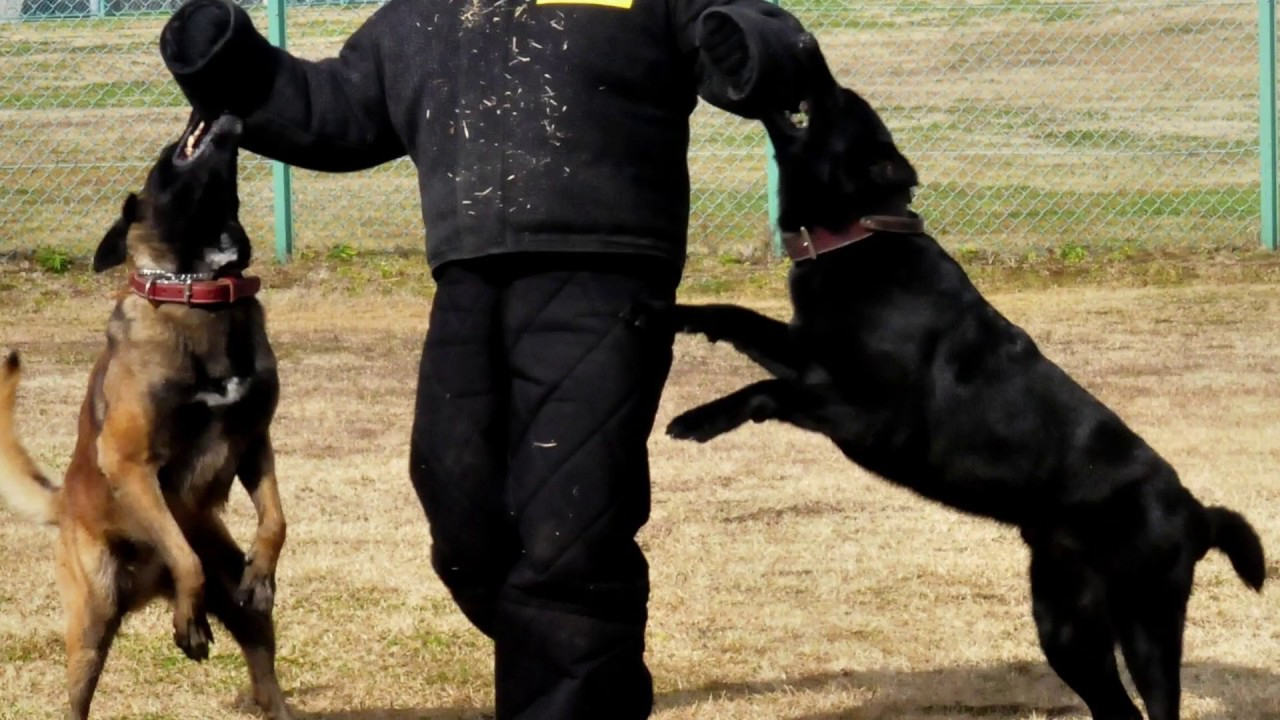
point(623, 4)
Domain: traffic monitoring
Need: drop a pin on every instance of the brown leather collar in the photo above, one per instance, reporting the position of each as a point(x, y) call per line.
point(809, 244)
point(188, 291)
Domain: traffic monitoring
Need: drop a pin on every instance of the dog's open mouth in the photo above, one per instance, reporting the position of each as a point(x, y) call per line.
point(200, 134)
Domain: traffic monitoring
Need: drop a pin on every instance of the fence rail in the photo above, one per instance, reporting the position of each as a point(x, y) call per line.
point(1067, 127)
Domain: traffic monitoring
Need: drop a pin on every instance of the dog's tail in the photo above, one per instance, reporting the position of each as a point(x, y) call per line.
point(23, 487)
point(1233, 535)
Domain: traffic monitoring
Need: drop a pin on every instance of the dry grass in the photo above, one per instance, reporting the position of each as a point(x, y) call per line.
point(787, 584)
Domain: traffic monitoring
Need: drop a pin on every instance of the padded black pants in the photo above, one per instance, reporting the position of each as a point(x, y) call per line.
point(536, 398)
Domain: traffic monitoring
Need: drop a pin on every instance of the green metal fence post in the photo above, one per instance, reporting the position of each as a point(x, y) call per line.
point(771, 170)
point(1267, 121)
point(281, 179)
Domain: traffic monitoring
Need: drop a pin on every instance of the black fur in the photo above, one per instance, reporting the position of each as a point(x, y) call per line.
point(176, 202)
point(894, 355)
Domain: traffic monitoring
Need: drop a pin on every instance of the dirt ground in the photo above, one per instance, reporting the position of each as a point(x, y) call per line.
point(786, 583)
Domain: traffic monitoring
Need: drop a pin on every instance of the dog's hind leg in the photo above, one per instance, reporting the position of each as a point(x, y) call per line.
point(252, 629)
point(1149, 615)
point(1069, 603)
point(86, 578)
point(766, 341)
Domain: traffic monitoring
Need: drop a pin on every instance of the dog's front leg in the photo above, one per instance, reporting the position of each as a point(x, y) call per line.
point(125, 459)
point(768, 342)
point(257, 472)
point(757, 402)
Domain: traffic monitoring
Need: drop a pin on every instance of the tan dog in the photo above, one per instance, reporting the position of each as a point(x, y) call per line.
point(179, 403)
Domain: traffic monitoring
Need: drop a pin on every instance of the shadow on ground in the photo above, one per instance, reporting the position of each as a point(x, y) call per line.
point(1013, 690)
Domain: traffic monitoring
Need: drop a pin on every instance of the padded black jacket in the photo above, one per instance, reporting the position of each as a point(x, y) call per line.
point(535, 125)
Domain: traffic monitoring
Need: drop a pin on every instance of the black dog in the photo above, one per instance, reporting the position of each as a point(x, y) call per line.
point(894, 355)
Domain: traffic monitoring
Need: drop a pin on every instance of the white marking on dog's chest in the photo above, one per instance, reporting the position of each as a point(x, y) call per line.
point(235, 390)
point(225, 254)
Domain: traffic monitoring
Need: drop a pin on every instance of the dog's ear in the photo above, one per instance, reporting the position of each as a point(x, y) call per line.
point(113, 248)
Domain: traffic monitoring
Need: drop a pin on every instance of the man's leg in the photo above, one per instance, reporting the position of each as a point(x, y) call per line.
point(458, 454)
point(585, 389)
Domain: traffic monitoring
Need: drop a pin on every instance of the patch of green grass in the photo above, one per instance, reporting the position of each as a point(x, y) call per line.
point(1219, 27)
point(29, 47)
point(97, 95)
point(115, 24)
point(342, 252)
point(1100, 138)
point(30, 648)
point(53, 260)
point(965, 210)
point(1062, 13)
point(456, 655)
point(307, 28)
point(885, 14)
point(67, 49)
point(1066, 129)
point(1072, 253)
point(968, 113)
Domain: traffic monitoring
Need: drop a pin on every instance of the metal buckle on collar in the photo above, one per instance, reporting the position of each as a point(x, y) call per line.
point(807, 243)
point(804, 245)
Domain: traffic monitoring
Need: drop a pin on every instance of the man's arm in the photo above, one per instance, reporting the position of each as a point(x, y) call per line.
point(326, 115)
point(750, 57)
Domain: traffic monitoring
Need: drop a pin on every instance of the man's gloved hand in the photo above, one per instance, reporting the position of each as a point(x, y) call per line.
point(194, 30)
point(757, 55)
point(219, 59)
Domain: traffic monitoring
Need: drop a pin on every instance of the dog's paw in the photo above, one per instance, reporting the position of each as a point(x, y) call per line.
point(257, 591)
point(193, 636)
point(700, 424)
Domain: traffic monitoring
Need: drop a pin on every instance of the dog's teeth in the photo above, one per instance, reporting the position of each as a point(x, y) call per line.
point(194, 137)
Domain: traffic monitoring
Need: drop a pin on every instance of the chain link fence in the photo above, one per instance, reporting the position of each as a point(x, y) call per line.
point(1061, 127)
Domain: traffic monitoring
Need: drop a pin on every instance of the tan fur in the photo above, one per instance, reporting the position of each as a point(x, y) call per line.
point(137, 512)
point(22, 486)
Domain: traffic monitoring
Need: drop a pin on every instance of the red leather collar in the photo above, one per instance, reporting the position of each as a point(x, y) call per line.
point(222, 291)
point(809, 244)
